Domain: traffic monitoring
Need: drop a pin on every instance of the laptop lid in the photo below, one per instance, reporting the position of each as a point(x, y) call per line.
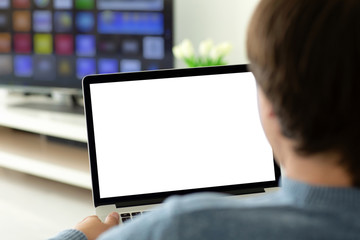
point(158, 133)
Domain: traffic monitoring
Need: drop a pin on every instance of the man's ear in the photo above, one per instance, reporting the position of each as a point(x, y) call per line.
point(266, 108)
point(268, 118)
point(271, 126)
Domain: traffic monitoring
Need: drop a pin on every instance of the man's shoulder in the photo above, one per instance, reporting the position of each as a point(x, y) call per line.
point(218, 216)
point(208, 202)
point(180, 217)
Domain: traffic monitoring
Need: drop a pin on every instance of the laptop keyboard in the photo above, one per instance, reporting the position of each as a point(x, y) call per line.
point(129, 216)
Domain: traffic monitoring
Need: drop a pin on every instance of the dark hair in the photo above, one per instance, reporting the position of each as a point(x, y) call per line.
point(305, 55)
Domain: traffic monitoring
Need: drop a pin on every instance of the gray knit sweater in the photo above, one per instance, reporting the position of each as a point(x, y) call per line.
point(296, 211)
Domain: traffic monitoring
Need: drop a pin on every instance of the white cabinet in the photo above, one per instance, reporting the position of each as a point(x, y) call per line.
point(24, 147)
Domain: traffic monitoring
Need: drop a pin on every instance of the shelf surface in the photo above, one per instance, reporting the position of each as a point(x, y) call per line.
point(56, 124)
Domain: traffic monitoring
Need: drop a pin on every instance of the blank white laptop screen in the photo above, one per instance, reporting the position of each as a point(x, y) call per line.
point(180, 133)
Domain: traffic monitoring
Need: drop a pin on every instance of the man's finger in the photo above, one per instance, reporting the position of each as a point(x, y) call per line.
point(112, 219)
point(90, 218)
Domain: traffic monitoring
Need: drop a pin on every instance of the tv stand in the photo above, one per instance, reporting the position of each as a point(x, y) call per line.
point(52, 107)
point(54, 102)
point(30, 151)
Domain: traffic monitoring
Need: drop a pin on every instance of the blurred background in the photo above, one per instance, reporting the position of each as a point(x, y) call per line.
point(46, 47)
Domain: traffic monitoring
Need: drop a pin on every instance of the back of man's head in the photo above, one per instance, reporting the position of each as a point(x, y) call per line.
point(305, 55)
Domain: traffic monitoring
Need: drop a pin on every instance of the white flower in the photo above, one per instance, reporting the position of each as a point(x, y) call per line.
point(224, 48)
point(215, 54)
point(178, 52)
point(187, 48)
point(205, 47)
point(208, 54)
point(184, 50)
point(220, 50)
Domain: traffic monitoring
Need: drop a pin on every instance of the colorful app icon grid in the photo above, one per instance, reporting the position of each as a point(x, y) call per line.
point(85, 66)
point(84, 4)
point(65, 67)
point(4, 4)
point(22, 43)
point(44, 67)
point(63, 21)
point(108, 65)
point(23, 66)
point(43, 43)
point(153, 48)
point(63, 4)
point(5, 43)
point(5, 25)
point(64, 44)
point(130, 65)
point(42, 21)
point(108, 44)
point(86, 40)
point(6, 65)
point(111, 22)
point(22, 21)
point(85, 21)
point(130, 47)
point(85, 45)
point(21, 3)
point(42, 3)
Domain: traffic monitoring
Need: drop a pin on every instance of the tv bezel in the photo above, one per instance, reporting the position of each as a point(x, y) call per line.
point(29, 85)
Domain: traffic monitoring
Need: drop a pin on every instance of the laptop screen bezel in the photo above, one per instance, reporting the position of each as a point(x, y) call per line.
point(153, 198)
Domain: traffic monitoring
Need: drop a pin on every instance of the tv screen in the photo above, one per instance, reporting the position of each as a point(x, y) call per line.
point(55, 43)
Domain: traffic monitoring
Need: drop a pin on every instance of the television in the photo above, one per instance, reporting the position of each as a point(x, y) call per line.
point(50, 45)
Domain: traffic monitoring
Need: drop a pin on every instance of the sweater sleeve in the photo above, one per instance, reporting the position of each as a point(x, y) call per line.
point(70, 234)
point(160, 223)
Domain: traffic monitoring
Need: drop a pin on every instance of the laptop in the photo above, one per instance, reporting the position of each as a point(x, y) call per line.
point(154, 134)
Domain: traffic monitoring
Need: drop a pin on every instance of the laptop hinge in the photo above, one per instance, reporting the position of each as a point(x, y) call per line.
point(138, 202)
point(159, 200)
point(245, 191)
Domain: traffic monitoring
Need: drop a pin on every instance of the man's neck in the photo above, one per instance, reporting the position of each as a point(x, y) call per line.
point(319, 169)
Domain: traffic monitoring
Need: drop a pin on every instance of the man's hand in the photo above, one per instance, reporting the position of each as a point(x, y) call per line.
point(92, 226)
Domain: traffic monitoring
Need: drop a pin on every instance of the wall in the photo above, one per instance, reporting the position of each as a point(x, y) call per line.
point(221, 20)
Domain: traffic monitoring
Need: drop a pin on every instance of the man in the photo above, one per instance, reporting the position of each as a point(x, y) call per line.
point(304, 55)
